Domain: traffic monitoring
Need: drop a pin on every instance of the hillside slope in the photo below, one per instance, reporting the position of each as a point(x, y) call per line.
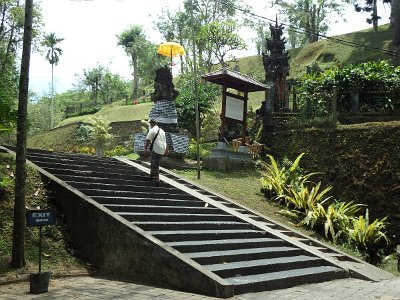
point(329, 53)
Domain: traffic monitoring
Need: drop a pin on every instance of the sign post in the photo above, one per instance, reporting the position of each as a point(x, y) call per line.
point(39, 282)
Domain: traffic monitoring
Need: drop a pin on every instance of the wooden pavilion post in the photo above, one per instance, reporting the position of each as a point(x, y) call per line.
point(244, 127)
point(223, 110)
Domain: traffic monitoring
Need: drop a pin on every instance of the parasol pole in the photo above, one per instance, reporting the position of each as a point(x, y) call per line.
point(195, 93)
point(171, 60)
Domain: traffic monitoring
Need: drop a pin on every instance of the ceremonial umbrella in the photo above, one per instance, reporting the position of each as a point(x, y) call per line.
point(171, 49)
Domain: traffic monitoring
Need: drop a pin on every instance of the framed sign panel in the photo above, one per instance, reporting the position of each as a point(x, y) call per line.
point(234, 108)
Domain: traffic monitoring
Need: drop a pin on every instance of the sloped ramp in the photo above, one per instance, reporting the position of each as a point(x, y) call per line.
point(173, 235)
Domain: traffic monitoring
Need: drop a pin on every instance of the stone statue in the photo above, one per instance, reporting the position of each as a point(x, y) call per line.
point(164, 112)
point(163, 86)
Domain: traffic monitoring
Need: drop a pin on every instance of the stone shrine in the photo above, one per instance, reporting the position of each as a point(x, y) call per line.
point(164, 112)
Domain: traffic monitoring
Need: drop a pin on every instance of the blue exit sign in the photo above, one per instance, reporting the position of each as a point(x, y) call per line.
point(40, 217)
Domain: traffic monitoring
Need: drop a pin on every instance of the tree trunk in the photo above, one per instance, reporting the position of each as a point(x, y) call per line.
point(52, 96)
point(314, 29)
point(18, 250)
point(375, 16)
point(396, 21)
point(135, 77)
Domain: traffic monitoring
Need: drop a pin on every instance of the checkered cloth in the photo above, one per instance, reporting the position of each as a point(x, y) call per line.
point(164, 111)
point(176, 143)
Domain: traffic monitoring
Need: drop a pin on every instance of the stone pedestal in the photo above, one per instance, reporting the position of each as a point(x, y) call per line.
point(225, 159)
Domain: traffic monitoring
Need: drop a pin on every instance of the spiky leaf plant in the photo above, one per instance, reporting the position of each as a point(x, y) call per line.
point(367, 237)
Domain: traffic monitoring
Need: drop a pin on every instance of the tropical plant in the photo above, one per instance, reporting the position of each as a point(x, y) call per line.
point(100, 133)
point(306, 204)
point(367, 237)
point(278, 180)
point(53, 56)
point(338, 218)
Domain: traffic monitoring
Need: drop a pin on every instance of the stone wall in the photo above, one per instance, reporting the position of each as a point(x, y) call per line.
point(124, 131)
point(116, 247)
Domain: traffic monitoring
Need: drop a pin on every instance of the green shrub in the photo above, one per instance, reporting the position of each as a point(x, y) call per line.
point(276, 180)
point(305, 204)
point(83, 134)
point(100, 134)
point(310, 205)
point(367, 237)
point(119, 151)
point(338, 218)
point(204, 149)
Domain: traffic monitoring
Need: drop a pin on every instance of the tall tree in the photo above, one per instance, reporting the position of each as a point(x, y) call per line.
point(312, 16)
point(11, 23)
point(395, 15)
point(18, 250)
point(370, 6)
point(133, 40)
point(177, 25)
point(219, 38)
point(93, 78)
point(53, 57)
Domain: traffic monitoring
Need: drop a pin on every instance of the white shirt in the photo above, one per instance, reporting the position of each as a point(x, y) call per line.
point(160, 143)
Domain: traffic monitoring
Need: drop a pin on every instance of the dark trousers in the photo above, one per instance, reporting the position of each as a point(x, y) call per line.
point(155, 165)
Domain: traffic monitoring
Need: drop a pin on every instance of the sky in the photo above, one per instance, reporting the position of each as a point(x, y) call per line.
point(89, 29)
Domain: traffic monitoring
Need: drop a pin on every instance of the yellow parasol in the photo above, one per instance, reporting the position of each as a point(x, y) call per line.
point(171, 49)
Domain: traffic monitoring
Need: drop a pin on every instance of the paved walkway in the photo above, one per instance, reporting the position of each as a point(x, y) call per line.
point(100, 288)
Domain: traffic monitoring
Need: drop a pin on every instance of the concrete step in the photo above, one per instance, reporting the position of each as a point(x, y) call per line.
point(226, 256)
point(176, 217)
point(147, 201)
point(284, 279)
point(135, 194)
point(226, 244)
point(88, 173)
point(128, 186)
point(142, 181)
point(79, 160)
point(106, 168)
point(260, 266)
point(162, 209)
point(201, 225)
point(62, 157)
point(199, 235)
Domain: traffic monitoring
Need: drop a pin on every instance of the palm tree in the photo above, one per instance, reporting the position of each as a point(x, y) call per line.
point(53, 56)
point(133, 40)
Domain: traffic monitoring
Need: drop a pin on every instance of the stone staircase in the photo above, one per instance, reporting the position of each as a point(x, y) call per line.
point(178, 234)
